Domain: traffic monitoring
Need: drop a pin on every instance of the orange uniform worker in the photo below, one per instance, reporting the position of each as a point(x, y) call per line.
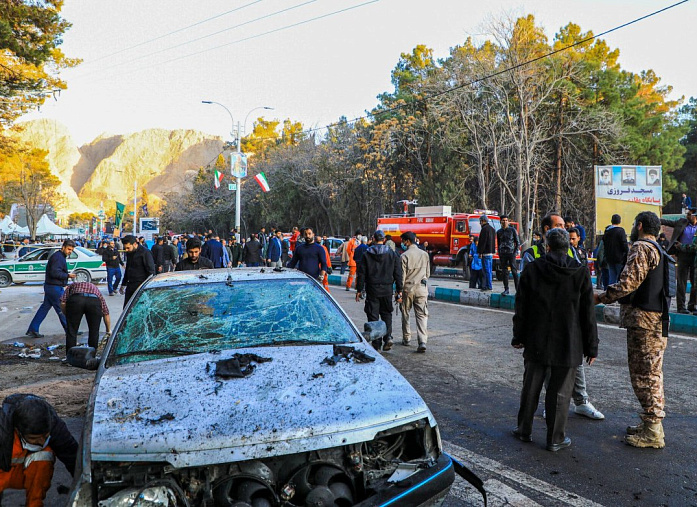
point(350, 248)
point(31, 436)
point(325, 280)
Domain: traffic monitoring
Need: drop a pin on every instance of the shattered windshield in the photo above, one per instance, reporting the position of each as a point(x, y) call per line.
point(206, 317)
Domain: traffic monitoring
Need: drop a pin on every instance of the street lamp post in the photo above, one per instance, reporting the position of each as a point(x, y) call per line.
point(238, 200)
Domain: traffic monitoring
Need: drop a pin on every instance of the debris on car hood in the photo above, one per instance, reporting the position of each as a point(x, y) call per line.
point(238, 366)
point(345, 352)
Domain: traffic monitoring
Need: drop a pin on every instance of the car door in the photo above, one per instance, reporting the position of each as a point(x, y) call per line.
point(30, 268)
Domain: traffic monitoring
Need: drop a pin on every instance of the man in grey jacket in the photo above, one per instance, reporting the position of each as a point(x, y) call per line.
point(415, 272)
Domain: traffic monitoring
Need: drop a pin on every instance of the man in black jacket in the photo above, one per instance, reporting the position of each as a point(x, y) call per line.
point(252, 252)
point(31, 437)
point(486, 248)
point(616, 248)
point(235, 252)
point(380, 268)
point(139, 267)
point(194, 260)
point(554, 323)
point(509, 244)
point(56, 278)
point(683, 232)
point(113, 262)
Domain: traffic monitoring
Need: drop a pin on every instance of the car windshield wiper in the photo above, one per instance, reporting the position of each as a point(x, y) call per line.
point(293, 342)
point(156, 352)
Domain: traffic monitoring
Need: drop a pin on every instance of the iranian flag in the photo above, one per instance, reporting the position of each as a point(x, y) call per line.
point(218, 177)
point(261, 179)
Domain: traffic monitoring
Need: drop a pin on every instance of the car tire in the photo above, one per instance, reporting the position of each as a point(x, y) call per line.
point(82, 276)
point(5, 279)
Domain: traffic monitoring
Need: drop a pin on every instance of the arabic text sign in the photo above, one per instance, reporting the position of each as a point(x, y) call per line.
point(632, 183)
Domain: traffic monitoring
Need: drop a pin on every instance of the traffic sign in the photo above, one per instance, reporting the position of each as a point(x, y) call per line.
point(232, 186)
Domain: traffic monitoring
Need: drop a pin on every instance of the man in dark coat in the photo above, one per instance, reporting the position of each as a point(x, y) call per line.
point(486, 248)
point(380, 268)
point(616, 248)
point(31, 437)
point(194, 260)
point(213, 250)
point(683, 233)
point(555, 324)
point(56, 278)
point(509, 245)
point(252, 252)
point(236, 254)
point(139, 267)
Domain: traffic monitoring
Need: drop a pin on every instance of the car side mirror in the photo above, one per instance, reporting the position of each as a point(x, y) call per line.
point(83, 357)
point(374, 330)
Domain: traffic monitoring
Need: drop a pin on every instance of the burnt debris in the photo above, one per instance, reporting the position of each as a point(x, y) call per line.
point(238, 366)
point(346, 353)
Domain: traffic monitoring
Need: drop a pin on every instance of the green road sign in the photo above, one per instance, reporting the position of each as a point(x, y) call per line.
point(232, 186)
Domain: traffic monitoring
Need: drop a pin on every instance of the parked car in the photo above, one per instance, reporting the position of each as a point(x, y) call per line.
point(254, 388)
point(334, 244)
point(31, 267)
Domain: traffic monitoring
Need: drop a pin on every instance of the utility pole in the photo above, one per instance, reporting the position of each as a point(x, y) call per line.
point(238, 199)
point(135, 206)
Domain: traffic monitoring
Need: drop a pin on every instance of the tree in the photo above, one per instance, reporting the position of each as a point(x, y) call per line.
point(31, 184)
point(30, 60)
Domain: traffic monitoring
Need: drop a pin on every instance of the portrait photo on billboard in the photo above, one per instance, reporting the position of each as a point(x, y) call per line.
point(604, 176)
point(629, 176)
point(653, 177)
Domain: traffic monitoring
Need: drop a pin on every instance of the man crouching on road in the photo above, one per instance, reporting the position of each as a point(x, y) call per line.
point(31, 436)
point(555, 323)
point(379, 269)
point(642, 314)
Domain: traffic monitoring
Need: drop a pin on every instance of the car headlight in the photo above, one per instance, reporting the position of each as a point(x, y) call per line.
point(148, 496)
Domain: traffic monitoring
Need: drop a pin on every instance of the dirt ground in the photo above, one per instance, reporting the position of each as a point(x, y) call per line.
point(64, 387)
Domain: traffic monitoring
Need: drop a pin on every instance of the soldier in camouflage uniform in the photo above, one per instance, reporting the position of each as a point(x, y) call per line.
point(645, 341)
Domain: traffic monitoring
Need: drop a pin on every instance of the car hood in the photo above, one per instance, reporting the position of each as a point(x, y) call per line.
point(176, 410)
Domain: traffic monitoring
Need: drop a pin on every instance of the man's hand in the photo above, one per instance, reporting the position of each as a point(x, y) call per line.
point(72, 275)
point(596, 299)
point(358, 297)
point(398, 297)
point(518, 346)
point(590, 360)
point(122, 290)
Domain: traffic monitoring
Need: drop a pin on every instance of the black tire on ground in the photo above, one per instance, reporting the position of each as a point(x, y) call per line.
point(5, 279)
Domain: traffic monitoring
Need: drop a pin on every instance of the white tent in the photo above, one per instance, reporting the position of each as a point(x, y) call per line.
point(7, 226)
point(45, 226)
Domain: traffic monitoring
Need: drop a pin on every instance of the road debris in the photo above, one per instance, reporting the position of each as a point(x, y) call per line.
point(238, 366)
point(344, 352)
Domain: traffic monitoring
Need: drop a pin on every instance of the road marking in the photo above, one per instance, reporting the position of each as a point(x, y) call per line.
point(475, 460)
point(509, 312)
point(497, 494)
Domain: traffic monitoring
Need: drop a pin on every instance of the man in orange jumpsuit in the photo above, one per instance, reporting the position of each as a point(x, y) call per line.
point(31, 436)
point(325, 280)
point(350, 248)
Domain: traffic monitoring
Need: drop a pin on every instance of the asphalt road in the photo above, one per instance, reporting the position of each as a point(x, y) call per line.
point(470, 377)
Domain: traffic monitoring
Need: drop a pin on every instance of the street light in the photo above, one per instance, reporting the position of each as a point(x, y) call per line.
point(238, 200)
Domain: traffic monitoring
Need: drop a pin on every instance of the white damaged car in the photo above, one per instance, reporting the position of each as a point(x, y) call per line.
point(252, 387)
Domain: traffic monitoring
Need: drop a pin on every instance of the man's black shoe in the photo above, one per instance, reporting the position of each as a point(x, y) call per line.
point(421, 349)
point(561, 445)
point(505, 293)
point(387, 345)
point(523, 438)
point(34, 334)
point(683, 311)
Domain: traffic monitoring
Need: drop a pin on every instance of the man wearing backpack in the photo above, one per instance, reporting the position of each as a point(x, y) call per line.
point(642, 290)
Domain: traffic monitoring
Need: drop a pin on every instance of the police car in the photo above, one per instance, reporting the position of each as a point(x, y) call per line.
point(31, 267)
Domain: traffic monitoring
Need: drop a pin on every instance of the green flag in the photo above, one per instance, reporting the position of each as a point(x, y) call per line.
point(120, 208)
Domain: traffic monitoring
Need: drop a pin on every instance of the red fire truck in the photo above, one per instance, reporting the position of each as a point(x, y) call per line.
point(448, 234)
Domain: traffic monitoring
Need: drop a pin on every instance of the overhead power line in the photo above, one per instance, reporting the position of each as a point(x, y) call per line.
point(488, 76)
point(178, 30)
point(256, 36)
point(186, 43)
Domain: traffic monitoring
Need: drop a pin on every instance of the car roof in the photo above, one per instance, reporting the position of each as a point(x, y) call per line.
point(224, 275)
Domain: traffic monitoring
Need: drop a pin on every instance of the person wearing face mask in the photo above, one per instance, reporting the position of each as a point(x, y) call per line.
point(309, 257)
point(32, 436)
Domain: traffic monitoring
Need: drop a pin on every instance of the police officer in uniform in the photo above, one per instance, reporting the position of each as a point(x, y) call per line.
point(379, 269)
point(643, 315)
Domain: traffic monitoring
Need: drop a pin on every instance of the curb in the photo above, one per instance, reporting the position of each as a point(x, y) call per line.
point(679, 323)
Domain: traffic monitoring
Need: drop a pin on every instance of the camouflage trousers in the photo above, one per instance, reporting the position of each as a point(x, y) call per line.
point(645, 356)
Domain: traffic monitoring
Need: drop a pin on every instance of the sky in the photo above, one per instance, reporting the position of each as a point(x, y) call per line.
point(149, 64)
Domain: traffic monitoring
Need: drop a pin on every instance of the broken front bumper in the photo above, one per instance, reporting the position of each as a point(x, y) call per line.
point(428, 487)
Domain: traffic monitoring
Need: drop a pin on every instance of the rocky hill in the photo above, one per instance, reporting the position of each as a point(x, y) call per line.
point(105, 169)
